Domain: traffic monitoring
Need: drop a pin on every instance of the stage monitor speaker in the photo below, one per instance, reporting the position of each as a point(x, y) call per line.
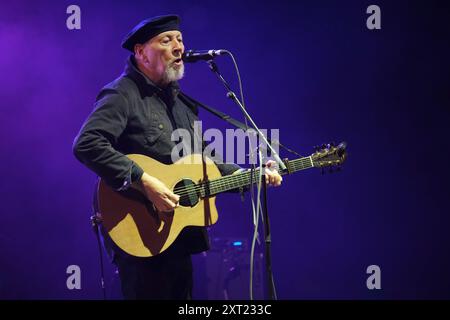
point(223, 272)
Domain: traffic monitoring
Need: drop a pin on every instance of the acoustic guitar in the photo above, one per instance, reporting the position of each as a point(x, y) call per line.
point(137, 228)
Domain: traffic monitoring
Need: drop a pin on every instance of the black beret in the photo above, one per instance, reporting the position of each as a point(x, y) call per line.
point(149, 28)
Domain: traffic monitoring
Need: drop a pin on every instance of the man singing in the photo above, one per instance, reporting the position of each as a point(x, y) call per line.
point(136, 114)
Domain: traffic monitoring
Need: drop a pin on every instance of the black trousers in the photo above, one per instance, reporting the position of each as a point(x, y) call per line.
point(167, 276)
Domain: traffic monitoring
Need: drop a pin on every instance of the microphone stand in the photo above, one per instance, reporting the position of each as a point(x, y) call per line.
point(267, 234)
point(267, 241)
point(231, 95)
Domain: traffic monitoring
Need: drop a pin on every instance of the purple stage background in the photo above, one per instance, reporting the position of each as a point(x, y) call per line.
point(313, 70)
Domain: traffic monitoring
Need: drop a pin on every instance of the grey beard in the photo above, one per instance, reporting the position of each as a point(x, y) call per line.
point(172, 74)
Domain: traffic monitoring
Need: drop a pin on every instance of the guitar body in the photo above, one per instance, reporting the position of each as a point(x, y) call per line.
point(131, 220)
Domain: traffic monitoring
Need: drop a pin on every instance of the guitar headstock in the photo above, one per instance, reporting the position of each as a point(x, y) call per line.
point(329, 155)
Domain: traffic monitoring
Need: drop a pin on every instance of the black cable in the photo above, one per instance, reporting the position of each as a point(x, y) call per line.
point(242, 99)
point(96, 228)
point(95, 223)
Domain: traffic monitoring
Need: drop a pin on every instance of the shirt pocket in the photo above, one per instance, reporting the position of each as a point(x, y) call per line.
point(152, 135)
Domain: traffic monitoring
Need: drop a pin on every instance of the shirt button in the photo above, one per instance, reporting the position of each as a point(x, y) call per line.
point(160, 126)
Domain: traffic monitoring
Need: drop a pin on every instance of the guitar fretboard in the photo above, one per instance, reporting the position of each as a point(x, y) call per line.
point(243, 179)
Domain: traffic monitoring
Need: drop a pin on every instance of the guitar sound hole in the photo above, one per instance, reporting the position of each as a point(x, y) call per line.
point(187, 192)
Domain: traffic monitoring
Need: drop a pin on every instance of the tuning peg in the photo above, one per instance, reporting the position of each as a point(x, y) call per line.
point(333, 144)
point(324, 146)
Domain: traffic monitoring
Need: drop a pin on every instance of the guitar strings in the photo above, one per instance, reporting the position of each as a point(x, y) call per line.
point(231, 180)
point(228, 181)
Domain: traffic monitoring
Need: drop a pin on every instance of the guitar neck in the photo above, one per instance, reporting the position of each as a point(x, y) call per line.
point(244, 179)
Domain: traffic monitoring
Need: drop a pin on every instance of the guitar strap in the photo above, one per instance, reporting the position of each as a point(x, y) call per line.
point(194, 104)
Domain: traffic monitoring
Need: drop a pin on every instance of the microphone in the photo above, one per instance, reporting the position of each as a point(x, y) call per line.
point(191, 56)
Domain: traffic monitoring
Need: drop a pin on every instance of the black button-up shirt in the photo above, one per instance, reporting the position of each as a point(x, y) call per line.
point(133, 115)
